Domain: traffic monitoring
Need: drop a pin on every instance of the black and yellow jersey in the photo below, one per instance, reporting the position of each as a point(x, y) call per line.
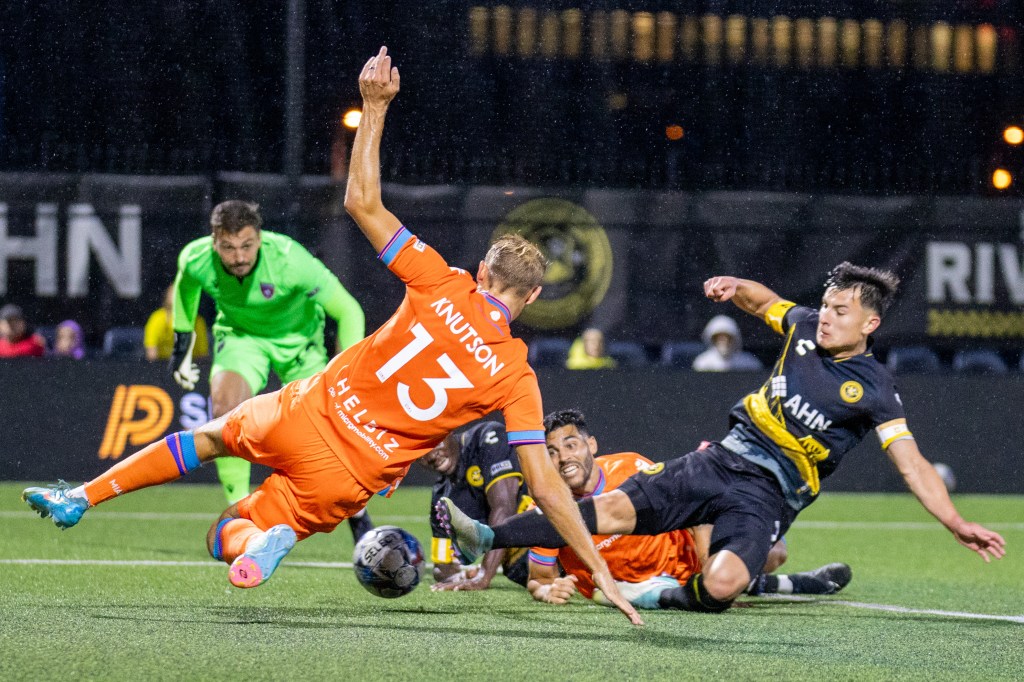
point(813, 409)
point(485, 457)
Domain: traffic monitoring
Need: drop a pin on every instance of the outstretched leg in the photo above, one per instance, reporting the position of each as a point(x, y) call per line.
point(606, 514)
point(160, 462)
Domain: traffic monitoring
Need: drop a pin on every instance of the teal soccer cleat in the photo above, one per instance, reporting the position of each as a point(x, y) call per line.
point(54, 502)
point(262, 555)
point(642, 595)
point(470, 538)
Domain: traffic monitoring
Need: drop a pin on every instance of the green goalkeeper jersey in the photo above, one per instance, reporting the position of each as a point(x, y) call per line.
point(283, 298)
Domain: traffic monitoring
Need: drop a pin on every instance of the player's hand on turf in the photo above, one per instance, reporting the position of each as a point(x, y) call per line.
point(557, 592)
point(720, 289)
point(379, 81)
point(604, 582)
point(986, 543)
point(183, 370)
point(466, 580)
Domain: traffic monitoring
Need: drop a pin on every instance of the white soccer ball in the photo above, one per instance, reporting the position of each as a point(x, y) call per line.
point(946, 474)
point(388, 561)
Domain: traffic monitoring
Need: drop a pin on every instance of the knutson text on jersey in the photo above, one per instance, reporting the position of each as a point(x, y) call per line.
point(457, 324)
point(975, 289)
point(86, 237)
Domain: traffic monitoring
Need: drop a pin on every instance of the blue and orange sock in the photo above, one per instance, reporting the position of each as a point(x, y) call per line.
point(160, 462)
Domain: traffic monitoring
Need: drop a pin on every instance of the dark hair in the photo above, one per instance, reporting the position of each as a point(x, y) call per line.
point(877, 286)
point(570, 417)
point(234, 215)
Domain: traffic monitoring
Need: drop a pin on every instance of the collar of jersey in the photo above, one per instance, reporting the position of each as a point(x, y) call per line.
point(599, 488)
point(500, 306)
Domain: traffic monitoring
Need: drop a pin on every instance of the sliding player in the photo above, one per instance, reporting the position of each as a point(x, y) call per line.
point(825, 393)
point(643, 565)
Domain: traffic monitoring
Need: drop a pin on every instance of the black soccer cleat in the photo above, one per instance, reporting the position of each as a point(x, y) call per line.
point(828, 579)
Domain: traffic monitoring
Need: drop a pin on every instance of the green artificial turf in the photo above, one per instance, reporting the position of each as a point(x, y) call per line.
point(167, 621)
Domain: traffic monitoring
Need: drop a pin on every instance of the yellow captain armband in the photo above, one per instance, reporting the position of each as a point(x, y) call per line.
point(773, 317)
point(441, 551)
point(892, 431)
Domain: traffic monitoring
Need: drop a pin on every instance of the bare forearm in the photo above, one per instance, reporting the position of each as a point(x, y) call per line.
point(928, 488)
point(362, 192)
point(753, 297)
point(490, 564)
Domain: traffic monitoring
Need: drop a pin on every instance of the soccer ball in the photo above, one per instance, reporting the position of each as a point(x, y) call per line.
point(388, 562)
point(946, 474)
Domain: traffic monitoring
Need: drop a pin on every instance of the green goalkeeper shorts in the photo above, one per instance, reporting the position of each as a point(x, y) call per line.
point(253, 357)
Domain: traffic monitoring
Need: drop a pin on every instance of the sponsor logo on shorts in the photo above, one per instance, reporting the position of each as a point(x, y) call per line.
point(851, 392)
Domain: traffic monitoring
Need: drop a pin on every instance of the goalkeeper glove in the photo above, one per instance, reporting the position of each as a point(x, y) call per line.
point(184, 371)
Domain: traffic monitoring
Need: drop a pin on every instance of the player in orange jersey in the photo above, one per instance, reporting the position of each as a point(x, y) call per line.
point(643, 564)
point(446, 357)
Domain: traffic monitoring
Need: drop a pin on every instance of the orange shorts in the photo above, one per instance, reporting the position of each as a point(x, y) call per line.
point(309, 489)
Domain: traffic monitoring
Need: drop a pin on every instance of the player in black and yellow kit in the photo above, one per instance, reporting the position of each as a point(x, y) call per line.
point(480, 472)
point(825, 393)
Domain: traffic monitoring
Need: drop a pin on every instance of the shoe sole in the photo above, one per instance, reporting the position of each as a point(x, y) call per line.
point(246, 571)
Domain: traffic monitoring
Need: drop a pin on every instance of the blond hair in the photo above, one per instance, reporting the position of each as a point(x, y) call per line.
point(515, 263)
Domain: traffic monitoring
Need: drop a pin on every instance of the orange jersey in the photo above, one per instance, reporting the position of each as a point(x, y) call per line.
point(445, 358)
point(630, 558)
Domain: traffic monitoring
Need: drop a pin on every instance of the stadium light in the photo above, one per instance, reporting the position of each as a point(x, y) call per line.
point(351, 118)
point(1013, 135)
point(674, 132)
point(1001, 178)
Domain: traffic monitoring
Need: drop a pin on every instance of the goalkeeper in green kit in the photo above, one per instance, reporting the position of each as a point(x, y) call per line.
point(272, 296)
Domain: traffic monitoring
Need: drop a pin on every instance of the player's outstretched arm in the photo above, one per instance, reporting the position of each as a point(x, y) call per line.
point(927, 486)
point(749, 296)
point(555, 500)
point(378, 84)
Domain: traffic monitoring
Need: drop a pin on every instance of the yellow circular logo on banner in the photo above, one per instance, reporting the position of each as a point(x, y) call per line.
point(851, 391)
point(474, 477)
point(579, 256)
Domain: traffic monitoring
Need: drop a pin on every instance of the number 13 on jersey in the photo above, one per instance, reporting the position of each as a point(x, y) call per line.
point(439, 385)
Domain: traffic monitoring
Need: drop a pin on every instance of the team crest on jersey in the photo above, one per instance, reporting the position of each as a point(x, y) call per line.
point(267, 290)
point(474, 477)
point(650, 469)
point(851, 392)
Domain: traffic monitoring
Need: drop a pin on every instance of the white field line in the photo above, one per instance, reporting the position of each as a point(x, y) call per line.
point(891, 608)
point(897, 609)
point(209, 517)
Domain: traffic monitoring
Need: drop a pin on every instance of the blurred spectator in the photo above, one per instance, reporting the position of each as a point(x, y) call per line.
point(725, 348)
point(17, 339)
point(588, 352)
point(158, 337)
point(70, 342)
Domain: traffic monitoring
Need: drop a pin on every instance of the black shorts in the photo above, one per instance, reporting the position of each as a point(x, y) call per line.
point(742, 500)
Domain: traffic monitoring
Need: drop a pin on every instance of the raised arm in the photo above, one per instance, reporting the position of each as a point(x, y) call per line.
point(378, 84)
point(749, 296)
point(922, 479)
point(555, 500)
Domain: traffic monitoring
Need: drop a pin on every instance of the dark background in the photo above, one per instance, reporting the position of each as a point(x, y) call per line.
point(55, 427)
point(197, 86)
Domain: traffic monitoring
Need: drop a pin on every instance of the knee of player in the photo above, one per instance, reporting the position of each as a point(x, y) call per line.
point(724, 584)
point(777, 556)
point(209, 441)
